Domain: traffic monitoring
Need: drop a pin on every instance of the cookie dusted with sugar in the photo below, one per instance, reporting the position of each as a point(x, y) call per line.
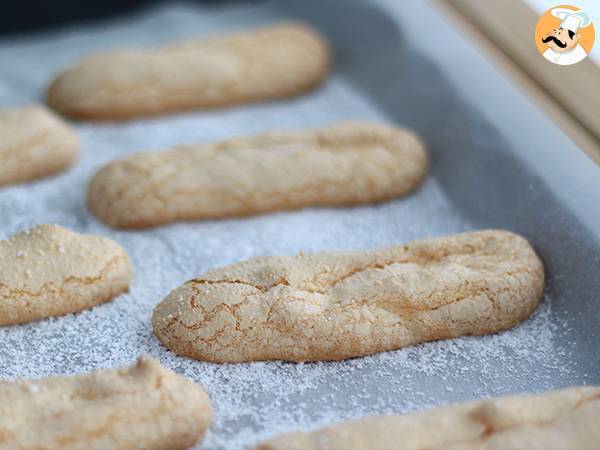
point(556, 420)
point(143, 406)
point(346, 163)
point(34, 143)
point(51, 271)
point(256, 65)
point(332, 306)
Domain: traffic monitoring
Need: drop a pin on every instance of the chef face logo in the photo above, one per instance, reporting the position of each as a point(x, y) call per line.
point(565, 35)
point(561, 40)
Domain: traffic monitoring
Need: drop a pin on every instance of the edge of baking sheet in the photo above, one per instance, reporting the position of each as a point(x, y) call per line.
point(573, 93)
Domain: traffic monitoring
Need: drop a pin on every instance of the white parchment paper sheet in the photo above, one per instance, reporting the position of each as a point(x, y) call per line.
point(252, 401)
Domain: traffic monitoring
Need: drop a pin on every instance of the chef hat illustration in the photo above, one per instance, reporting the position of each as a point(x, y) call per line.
point(571, 20)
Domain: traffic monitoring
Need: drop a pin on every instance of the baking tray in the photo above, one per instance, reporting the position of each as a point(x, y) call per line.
point(496, 161)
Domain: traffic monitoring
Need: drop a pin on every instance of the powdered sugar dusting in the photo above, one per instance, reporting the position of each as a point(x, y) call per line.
point(252, 401)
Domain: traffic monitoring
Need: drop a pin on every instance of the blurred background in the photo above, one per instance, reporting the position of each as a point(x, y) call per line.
point(30, 15)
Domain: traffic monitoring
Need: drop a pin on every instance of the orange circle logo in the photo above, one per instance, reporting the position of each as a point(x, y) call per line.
point(565, 35)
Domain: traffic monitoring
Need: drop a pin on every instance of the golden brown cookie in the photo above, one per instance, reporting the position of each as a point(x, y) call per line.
point(51, 271)
point(256, 65)
point(556, 420)
point(34, 143)
point(346, 163)
point(143, 406)
point(331, 306)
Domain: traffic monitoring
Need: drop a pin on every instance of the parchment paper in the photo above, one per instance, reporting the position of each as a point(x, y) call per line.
point(252, 401)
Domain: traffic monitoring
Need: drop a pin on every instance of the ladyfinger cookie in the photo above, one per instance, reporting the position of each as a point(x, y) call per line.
point(262, 64)
point(51, 271)
point(141, 407)
point(557, 420)
point(34, 143)
point(343, 164)
point(332, 306)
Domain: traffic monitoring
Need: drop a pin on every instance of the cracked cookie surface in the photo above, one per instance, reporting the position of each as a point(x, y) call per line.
point(553, 420)
point(142, 406)
point(263, 64)
point(342, 164)
point(51, 271)
point(332, 306)
point(34, 143)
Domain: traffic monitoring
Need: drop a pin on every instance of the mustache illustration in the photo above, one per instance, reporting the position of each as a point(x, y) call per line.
point(556, 41)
